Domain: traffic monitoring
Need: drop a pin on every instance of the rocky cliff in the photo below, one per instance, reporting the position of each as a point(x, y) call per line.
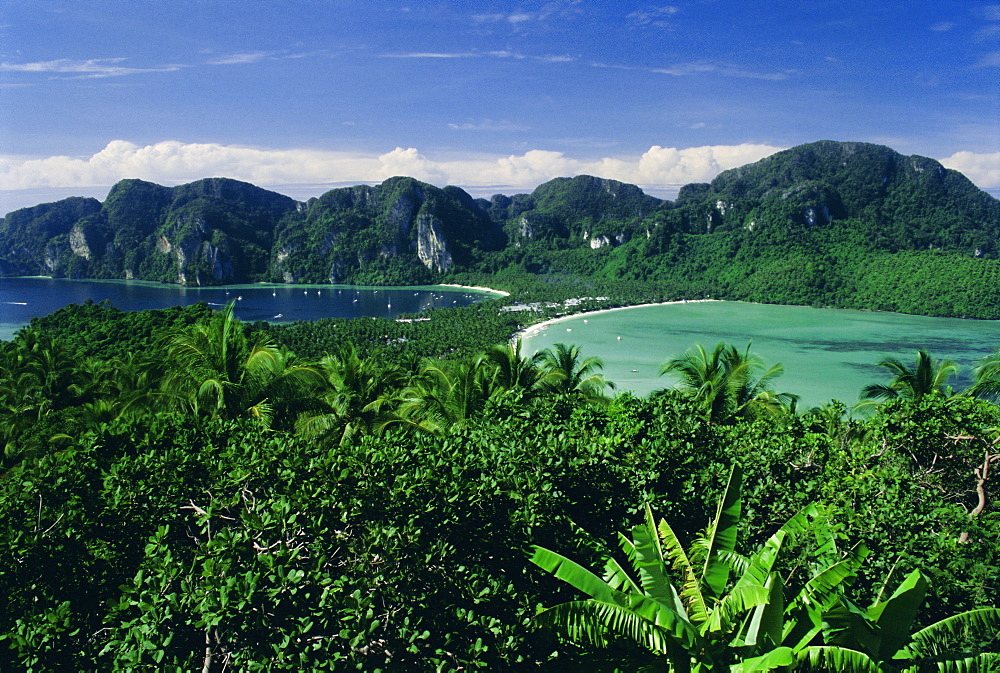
point(216, 230)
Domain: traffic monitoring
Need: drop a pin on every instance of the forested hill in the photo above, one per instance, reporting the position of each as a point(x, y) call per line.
point(831, 223)
point(910, 203)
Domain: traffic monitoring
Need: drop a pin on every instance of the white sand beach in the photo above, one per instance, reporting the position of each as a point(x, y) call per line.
point(532, 330)
point(476, 287)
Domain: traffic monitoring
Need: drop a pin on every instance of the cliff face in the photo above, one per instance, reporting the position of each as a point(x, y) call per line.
point(31, 238)
point(208, 232)
point(402, 231)
point(432, 247)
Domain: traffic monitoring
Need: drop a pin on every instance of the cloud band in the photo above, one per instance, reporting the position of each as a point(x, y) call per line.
point(659, 170)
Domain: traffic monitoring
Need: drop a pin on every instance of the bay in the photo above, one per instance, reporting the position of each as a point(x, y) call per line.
point(826, 353)
point(22, 299)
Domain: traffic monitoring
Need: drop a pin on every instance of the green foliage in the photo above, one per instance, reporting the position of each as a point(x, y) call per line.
point(385, 519)
point(681, 611)
point(851, 225)
point(925, 378)
point(728, 384)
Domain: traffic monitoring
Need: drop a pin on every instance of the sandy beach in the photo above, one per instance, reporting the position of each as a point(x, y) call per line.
point(532, 330)
point(476, 287)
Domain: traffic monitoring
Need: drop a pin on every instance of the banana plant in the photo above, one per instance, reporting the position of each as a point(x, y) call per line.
point(880, 639)
point(701, 623)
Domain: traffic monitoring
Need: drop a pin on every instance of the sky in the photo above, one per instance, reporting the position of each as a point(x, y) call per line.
point(302, 96)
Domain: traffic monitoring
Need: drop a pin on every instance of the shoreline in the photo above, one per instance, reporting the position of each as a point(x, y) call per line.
point(476, 287)
point(533, 330)
point(263, 284)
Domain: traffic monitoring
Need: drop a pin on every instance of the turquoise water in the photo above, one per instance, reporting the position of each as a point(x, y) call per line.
point(827, 353)
point(22, 299)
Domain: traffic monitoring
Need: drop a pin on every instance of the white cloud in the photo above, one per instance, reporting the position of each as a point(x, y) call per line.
point(700, 67)
point(557, 58)
point(513, 19)
point(84, 68)
point(410, 162)
point(240, 59)
point(659, 170)
point(990, 60)
point(431, 54)
point(173, 162)
point(502, 53)
point(654, 16)
point(982, 168)
point(943, 26)
point(518, 19)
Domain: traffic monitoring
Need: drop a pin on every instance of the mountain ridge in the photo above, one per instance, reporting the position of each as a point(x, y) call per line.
point(806, 201)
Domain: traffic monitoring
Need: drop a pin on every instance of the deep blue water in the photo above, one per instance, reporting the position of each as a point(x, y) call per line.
point(22, 299)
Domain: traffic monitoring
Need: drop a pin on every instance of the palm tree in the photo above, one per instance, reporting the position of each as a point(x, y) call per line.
point(219, 372)
point(987, 378)
point(878, 639)
point(446, 395)
point(48, 376)
point(728, 383)
point(927, 377)
point(361, 396)
point(705, 623)
point(515, 371)
point(565, 373)
point(688, 614)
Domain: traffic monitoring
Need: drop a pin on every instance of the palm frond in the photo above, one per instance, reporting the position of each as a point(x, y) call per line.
point(723, 535)
point(933, 640)
point(740, 600)
point(691, 595)
point(825, 658)
point(576, 575)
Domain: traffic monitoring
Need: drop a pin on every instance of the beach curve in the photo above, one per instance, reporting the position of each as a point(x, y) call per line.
point(533, 330)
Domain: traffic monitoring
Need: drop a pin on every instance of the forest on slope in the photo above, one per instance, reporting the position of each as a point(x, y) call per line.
point(181, 491)
point(843, 224)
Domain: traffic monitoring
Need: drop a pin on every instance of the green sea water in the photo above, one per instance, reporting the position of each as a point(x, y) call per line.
point(826, 353)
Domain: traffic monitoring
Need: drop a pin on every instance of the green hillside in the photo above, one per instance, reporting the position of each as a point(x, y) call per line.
point(829, 223)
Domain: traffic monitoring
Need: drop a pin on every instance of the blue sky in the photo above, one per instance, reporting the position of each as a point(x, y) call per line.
point(495, 97)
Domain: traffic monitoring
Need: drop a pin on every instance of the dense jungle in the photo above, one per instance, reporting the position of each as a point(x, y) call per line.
point(183, 491)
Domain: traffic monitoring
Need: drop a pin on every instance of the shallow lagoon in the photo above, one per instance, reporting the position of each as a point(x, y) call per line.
point(22, 299)
point(827, 353)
